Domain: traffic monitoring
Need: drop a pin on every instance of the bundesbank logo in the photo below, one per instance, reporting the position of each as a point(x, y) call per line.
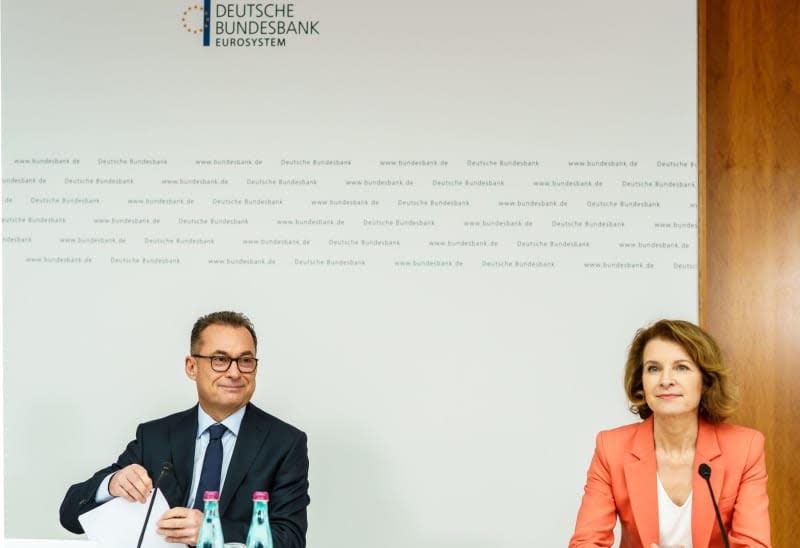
point(245, 24)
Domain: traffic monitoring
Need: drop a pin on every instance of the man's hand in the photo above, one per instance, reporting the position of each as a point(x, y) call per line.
point(180, 525)
point(131, 483)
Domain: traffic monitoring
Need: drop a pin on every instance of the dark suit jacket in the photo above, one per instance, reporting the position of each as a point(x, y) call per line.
point(622, 482)
point(269, 455)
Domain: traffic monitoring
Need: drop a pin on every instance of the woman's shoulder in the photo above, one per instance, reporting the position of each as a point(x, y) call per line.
point(740, 446)
point(736, 433)
point(626, 431)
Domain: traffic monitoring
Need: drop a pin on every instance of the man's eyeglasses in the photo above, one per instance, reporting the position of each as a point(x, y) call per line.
point(221, 363)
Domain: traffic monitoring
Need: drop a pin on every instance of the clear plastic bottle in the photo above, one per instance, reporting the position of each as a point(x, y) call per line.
point(211, 530)
point(260, 534)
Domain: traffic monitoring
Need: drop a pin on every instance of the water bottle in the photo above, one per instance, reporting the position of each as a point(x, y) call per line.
point(211, 530)
point(260, 535)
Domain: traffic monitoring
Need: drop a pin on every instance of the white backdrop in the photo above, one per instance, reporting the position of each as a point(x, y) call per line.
point(446, 221)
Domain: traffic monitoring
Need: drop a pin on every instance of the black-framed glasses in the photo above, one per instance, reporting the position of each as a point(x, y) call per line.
point(221, 363)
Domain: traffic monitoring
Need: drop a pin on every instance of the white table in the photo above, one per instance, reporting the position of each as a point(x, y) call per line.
point(44, 543)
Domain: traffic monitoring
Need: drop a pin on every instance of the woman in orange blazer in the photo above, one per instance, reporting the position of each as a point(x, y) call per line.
point(647, 473)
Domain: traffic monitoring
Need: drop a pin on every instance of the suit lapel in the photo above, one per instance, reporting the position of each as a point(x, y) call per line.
point(640, 477)
point(703, 517)
point(183, 435)
point(251, 437)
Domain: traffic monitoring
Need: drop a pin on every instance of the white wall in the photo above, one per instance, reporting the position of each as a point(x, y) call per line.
point(451, 393)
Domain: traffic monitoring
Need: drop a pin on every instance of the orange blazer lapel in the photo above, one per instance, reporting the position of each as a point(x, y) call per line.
point(640, 479)
point(703, 516)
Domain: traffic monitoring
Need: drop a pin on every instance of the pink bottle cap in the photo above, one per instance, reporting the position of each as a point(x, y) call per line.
point(211, 495)
point(260, 495)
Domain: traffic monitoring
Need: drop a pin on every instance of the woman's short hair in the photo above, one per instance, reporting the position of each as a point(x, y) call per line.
point(719, 399)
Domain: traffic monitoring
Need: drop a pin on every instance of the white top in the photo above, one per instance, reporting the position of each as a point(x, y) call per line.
point(674, 522)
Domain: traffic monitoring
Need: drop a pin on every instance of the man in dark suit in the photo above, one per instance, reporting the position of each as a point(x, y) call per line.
point(250, 451)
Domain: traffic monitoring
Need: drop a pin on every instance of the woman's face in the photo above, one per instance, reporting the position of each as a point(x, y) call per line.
point(673, 383)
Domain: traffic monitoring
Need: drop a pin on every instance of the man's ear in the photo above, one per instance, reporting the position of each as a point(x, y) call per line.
point(190, 366)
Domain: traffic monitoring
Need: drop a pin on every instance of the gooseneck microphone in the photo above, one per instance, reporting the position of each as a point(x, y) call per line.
point(705, 472)
point(166, 468)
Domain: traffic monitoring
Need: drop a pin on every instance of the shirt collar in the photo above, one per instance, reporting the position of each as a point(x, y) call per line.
point(232, 422)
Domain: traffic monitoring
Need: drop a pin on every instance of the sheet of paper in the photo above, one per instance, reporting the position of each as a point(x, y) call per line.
point(118, 523)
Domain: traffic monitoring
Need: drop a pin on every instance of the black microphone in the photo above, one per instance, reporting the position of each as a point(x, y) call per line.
point(166, 468)
point(705, 472)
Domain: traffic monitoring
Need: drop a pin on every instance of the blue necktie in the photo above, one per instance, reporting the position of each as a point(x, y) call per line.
point(212, 465)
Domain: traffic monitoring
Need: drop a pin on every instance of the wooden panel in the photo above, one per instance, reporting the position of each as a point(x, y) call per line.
point(749, 106)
